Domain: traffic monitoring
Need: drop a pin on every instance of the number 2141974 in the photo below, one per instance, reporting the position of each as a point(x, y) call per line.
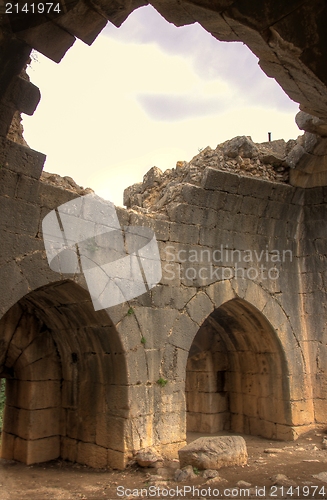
point(32, 8)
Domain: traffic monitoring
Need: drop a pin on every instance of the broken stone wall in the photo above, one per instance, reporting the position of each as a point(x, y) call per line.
point(239, 214)
point(313, 248)
point(144, 386)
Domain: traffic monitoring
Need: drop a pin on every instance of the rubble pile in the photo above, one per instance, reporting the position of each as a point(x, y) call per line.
point(269, 160)
point(66, 183)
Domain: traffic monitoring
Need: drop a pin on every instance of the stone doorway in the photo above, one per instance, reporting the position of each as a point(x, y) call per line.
point(64, 365)
point(236, 376)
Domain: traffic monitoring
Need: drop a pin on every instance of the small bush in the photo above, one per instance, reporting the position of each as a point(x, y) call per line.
point(162, 382)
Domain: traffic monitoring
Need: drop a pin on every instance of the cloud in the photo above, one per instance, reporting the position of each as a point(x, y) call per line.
point(211, 59)
point(175, 107)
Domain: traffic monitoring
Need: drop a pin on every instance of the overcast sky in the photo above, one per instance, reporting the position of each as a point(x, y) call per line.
point(149, 94)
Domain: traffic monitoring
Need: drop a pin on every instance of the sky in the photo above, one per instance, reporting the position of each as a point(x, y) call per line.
point(149, 94)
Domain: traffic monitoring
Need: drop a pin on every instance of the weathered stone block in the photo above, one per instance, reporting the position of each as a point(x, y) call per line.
point(136, 366)
point(41, 347)
point(201, 362)
point(12, 355)
point(18, 286)
point(238, 422)
point(215, 237)
point(282, 192)
point(245, 223)
point(32, 424)
point(199, 307)
point(153, 360)
point(92, 455)
point(155, 325)
point(214, 452)
point(235, 401)
point(117, 459)
point(7, 445)
point(68, 449)
point(223, 181)
point(8, 182)
point(47, 368)
point(19, 216)
point(207, 402)
point(160, 227)
point(174, 297)
point(171, 274)
point(27, 189)
point(36, 451)
point(258, 427)
point(33, 395)
point(171, 429)
point(302, 413)
point(288, 433)
point(110, 431)
point(184, 233)
point(52, 196)
point(250, 405)
point(258, 188)
point(194, 195)
point(252, 206)
point(21, 159)
point(200, 275)
point(190, 214)
point(183, 332)
point(275, 209)
point(201, 381)
point(206, 422)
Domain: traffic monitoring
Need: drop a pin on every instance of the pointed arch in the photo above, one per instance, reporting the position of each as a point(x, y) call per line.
point(66, 380)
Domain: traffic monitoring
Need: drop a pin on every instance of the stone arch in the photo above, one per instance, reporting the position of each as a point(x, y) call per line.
point(295, 58)
point(66, 389)
point(236, 301)
point(236, 377)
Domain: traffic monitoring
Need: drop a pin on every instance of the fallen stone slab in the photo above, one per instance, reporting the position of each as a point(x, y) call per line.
point(322, 476)
point(210, 473)
point(214, 452)
point(184, 474)
point(147, 458)
point(243, 484)
point(282, 480)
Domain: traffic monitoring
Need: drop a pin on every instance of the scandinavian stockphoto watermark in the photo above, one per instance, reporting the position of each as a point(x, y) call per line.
point(120, 263)
point(84, 236)
point(207, 265)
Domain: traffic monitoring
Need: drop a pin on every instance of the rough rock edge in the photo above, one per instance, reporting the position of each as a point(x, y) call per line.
point(65, 182)
point(269, 160)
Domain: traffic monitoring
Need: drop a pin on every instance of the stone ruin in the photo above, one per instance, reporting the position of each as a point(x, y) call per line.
point(237, 343)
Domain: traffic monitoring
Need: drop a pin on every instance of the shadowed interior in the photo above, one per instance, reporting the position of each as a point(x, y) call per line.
point(236, 374)
point(64, 365)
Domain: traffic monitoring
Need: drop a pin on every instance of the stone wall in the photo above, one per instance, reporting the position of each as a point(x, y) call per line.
point(313, 247)
point(250, 346)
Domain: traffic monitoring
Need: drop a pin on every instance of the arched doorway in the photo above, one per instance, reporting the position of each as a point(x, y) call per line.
point(237, 376)
point(64, 366)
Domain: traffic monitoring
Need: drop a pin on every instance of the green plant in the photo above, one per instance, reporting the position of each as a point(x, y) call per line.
point(143, 340)
point(196, 471)
point(162, 382)
point(130, 311)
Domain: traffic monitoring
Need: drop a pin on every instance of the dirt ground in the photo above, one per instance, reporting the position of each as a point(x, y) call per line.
point(299, 461)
